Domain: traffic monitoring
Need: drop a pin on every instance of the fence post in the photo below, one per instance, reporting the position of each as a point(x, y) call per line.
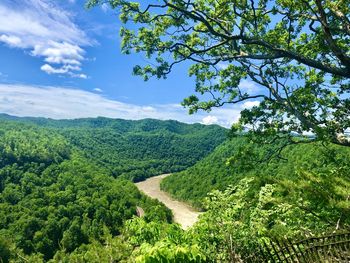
point(294, 250)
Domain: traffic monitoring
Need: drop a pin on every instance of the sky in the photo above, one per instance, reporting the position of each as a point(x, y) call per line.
point(62, 61)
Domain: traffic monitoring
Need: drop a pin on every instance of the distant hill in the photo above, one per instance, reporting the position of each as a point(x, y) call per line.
point(135, 149)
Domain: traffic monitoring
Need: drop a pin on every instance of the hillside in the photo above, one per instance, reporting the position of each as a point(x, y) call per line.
point(311, 176)
point(64, 197)
point(63, 183)
point(53, 199)
point(208, 174)
point(304, 192)
point(135, 149)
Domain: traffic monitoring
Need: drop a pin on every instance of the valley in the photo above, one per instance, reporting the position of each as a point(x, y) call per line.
point(70, 191)
point(67, 191)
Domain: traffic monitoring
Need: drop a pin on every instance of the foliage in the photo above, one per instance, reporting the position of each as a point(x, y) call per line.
point(169, 253)
point(306, 191)
point(313, 171)
point(112, 249)
point(5, 252)
point(295, 52)
point(239, 219)
point(54, 201)
point(159, 242)
point(59, 202)
point(136, 149)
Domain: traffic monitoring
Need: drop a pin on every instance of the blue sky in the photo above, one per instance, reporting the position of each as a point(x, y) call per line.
point(60, 60)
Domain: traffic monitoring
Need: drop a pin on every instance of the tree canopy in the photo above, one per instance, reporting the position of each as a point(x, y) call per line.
point(134, 149)
point(63, 193)
point(296, 52)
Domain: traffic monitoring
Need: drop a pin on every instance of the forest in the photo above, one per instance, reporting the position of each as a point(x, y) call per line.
point(136, 149)
point(305, 190)
point(319, 171)
point(61, 202)
point(66, 185)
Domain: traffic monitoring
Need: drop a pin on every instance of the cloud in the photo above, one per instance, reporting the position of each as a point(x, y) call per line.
point(81, 76)
point(60, 53)
point(251, 104)
point(51, 70)
point(65, 69)
point(97, 90)
point(249, 86)
point(45, 29)
point(66, 103)
point(12, 41)
point(225, 116)
point(209, 120)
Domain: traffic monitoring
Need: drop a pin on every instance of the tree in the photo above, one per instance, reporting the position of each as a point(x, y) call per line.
point(296, 52)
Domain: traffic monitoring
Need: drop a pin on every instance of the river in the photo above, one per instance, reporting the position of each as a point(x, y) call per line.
point(184, 214)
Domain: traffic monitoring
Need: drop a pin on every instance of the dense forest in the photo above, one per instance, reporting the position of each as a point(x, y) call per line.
point(63, 184)
point(311, 176)
point(53, 198)
point(135, 149)
point(319, 170)
point(62, 202)
point(303, 190)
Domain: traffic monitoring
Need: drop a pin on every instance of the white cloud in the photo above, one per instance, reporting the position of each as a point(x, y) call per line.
point(45, 29)
point(64, 103)
point(98, 90)
point(227, 116)
point(60, 53)
point(65, 69)
point(249, 86)
point(12, 41)
point(250, 104)
point(81, 76)
point(209, 120)
point(51, 70)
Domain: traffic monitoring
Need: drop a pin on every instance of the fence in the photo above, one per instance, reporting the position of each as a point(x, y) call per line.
point(325, 249)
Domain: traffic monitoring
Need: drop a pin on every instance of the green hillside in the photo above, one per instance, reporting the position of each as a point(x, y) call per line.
point(312, 176)
point(208, 174)
point(63, 184)
point(64, 196)
point(248, 201)
point(136, 149)
point(52, 198)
